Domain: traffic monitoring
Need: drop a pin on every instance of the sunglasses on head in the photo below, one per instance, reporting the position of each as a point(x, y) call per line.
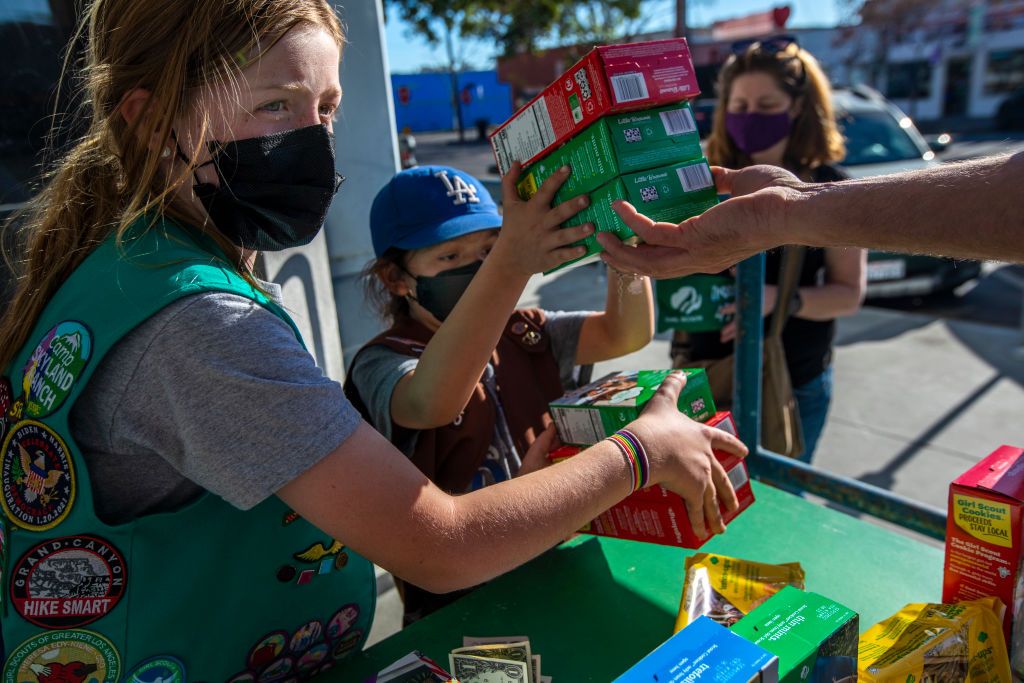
point(777, 45)
point(769, 46)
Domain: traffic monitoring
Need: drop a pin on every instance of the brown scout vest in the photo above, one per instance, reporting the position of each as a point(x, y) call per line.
point(527, 378)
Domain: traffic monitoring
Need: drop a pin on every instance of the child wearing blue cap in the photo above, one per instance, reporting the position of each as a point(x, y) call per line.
point(461, 380)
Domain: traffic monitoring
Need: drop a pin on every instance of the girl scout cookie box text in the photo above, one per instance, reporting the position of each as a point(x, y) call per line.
point(614, 145)
point(609, 79)
point(657, 515)
point(985, 541)
point(595, 411)
point(705, 651)
point(815, 638)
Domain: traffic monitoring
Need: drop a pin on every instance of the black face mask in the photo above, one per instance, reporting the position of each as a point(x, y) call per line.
point(439, 293)
point(274, 190)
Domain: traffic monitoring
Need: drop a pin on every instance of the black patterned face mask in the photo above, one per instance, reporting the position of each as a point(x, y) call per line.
point(274, 190)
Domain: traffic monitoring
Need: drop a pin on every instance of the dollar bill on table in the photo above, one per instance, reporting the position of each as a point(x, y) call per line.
point(469, 642)
point(472, 669)
point(518, 651)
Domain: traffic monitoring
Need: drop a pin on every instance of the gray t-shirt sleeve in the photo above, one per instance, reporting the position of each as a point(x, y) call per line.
point(563, 329)
point(375, 373)
point(228, 397)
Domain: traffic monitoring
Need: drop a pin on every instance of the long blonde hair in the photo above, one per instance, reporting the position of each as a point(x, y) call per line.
point(814, 138)
point(110, 177)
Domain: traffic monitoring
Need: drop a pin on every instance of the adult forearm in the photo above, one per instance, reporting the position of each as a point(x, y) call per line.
point(968, 210)
point(828, 302)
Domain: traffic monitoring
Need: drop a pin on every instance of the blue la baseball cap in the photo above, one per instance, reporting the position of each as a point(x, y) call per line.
point(427, 205)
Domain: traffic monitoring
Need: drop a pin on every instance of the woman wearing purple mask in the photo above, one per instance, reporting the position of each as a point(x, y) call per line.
point(775, 107)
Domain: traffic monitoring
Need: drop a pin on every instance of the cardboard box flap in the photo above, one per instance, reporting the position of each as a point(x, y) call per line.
point(1001, 472)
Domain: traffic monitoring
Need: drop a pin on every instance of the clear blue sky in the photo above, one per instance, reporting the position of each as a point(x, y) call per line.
point(407, 52)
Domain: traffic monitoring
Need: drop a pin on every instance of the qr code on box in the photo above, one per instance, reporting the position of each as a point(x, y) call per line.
point(633, 135)
point(649, 194)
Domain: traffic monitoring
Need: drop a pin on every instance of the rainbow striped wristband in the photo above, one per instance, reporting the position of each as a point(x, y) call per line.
point(636, 457)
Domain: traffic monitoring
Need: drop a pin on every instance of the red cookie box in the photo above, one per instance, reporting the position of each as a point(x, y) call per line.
point(985, 541)
point(609, 79)
point(657, 515)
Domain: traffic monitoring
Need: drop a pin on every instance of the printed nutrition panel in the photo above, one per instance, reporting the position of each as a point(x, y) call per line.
point(532, 132)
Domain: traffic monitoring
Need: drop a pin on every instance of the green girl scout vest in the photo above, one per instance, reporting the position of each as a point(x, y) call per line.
point(206, 593)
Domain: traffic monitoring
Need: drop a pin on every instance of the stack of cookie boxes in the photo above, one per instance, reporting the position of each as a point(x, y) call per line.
point(620, 119)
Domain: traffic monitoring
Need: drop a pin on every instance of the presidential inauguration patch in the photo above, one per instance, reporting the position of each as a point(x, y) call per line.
point(37, 478)
point(54, 367)
point(64, 656)
point(68, 582)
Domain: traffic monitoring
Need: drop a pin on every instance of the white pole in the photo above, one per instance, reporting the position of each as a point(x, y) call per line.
point(367, 155)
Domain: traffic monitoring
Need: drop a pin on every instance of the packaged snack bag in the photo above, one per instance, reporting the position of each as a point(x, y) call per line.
point(937, 643)
point(726, 588)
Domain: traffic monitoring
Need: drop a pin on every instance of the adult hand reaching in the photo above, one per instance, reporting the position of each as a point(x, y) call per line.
point(748, 223)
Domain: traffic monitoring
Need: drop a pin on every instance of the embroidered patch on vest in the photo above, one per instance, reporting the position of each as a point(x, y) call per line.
point(277, 670)
point(342, 620)
point(37, 478)
point(306, 636)
point(64, 657)
point(269, 648)
point(162, 669)
point(6, 401)
point(68, 582)
point(54, 367)
point(310, 663)
point(344, 645)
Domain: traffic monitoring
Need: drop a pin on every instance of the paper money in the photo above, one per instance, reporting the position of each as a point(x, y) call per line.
point(535, 660)
point(472, 669)
point(515, 652)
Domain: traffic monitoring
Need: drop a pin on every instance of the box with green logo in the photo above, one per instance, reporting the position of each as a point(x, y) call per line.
point(694, 303)
point(814, 638)
point(668, 193)
point(599, 409)
point(615, 145)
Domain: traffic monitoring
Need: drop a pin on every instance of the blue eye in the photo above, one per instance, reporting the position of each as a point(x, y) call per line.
point(273, 106)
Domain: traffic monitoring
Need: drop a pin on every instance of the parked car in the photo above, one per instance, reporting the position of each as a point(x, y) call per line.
point(1010, 115)
point(881, 139)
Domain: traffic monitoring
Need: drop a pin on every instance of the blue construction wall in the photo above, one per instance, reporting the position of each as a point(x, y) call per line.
point(429, 102)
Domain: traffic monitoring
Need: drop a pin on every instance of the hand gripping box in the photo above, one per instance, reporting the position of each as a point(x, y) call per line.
point(815, 638)
point(985, 541)
point(609, 79)
point(657, 515)
point(705, 652)
point(669, 194)
point(615, 145)
point(599, 409)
